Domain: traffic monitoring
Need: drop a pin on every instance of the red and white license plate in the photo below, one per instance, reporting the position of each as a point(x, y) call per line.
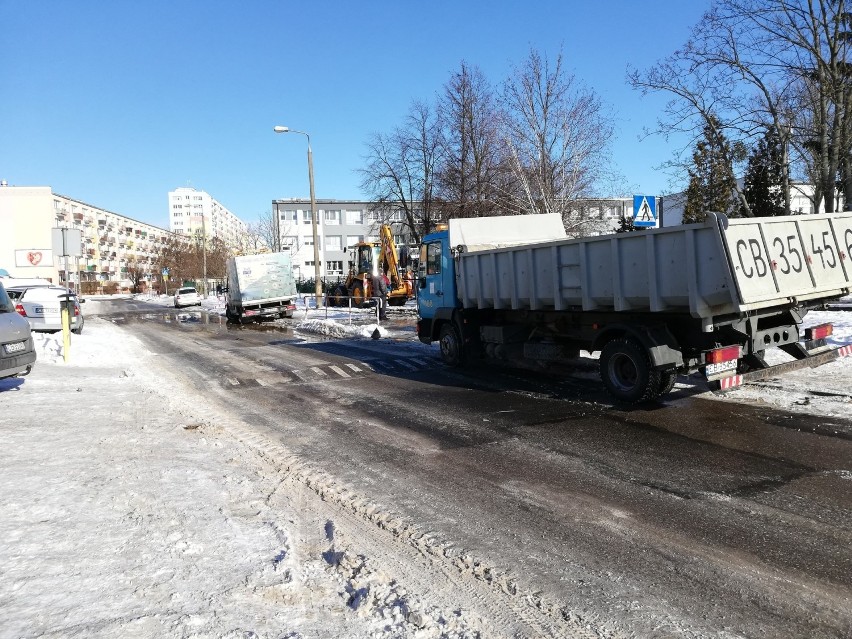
point(721, 367)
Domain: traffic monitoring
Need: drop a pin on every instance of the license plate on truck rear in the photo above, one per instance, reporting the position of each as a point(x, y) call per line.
point(721, 367)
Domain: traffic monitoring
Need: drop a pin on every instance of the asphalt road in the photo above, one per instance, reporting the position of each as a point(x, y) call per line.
point(690, 517)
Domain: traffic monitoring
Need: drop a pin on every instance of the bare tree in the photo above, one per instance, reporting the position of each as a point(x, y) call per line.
point(400, 170)
point(263, 232)
point(135, 271)
point(557, 138)
point(178, 255)
point(540, 146)
point(756, 64)
point(472, 160)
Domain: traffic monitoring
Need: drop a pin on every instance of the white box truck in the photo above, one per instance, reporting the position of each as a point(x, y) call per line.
point(260, 287)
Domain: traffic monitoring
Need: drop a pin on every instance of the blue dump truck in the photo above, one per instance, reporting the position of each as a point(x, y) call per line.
point(710, 297)
point(260, 287)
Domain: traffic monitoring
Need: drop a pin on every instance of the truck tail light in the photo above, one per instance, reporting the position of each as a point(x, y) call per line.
point(20, 309)
point(819, 332)
point(719, 355)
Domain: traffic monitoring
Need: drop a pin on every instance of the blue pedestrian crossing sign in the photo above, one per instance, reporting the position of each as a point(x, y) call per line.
point(644, 210)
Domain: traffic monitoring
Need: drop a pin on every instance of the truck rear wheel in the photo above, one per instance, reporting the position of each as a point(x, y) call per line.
point(451, 346)
point(626, 371)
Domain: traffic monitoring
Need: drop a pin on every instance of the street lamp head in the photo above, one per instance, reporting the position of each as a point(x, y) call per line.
point(281, 129)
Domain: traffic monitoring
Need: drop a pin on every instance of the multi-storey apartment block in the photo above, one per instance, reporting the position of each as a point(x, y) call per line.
point(195, 213)
point(112, 244)
point(340, 224)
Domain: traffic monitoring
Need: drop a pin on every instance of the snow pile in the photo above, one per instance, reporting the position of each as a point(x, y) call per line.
point(333, 328)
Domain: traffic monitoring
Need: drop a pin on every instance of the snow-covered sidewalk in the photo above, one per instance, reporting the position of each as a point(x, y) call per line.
point(126, 513)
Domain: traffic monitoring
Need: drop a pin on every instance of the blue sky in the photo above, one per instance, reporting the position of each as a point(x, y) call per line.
point(116, 103)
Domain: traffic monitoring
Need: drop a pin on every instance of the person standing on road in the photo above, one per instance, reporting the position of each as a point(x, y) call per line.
point(381, 291)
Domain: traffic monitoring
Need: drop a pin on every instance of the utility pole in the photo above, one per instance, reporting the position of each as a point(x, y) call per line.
point(204, 252)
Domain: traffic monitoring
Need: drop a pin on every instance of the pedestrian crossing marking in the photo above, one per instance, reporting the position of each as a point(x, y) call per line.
point(344, 370)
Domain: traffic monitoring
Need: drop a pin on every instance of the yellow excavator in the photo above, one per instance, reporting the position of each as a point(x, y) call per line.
point(372, 258)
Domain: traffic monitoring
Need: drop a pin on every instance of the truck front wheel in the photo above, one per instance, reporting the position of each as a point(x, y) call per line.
point(451, 346)
point(626, 372)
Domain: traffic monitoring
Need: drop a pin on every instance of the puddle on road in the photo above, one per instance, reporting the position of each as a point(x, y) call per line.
point(204, 320)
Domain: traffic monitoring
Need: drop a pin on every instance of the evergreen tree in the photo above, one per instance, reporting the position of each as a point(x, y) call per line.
point(763, 178)
point(711, 178)
point(625, 225)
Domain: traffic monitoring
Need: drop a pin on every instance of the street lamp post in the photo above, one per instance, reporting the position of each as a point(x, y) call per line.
point(318, 290)
point(204, 256)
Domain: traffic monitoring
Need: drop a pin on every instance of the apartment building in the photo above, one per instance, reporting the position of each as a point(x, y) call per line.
point(196, 213)
point(340, 224)
point(111, 243)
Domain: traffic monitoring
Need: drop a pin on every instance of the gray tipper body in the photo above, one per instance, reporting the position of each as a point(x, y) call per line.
point(719, 267)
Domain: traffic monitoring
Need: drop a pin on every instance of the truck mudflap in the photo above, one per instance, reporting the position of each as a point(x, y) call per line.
point(811, 361)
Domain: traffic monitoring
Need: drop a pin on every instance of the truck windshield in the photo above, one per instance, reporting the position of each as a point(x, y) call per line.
point(433, 258)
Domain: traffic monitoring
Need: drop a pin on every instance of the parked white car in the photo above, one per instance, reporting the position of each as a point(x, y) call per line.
point(17, 352)
point(186, 296)
point(42, 306)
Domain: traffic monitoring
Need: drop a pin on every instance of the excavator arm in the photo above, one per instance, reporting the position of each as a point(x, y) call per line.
point(388, 257)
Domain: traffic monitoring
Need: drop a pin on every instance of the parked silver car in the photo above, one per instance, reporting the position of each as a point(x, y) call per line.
point(42, 306)
point(17, 351)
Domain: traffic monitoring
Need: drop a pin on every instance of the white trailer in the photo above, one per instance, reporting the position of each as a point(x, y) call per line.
point(260, 287)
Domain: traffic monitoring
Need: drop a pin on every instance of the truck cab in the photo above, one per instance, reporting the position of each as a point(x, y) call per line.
point(437, 300)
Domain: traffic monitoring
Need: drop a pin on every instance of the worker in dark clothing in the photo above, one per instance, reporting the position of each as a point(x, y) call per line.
point(380, 290)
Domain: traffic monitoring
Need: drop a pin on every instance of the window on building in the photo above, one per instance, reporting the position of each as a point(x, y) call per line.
point(334, 267)
point(306, 217)
point(333, 243)
point(310, 263)
point(354, 217)
point(332, 217)
point(308, 241)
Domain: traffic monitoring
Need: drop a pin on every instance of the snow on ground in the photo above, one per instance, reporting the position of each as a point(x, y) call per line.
point(130, 514)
